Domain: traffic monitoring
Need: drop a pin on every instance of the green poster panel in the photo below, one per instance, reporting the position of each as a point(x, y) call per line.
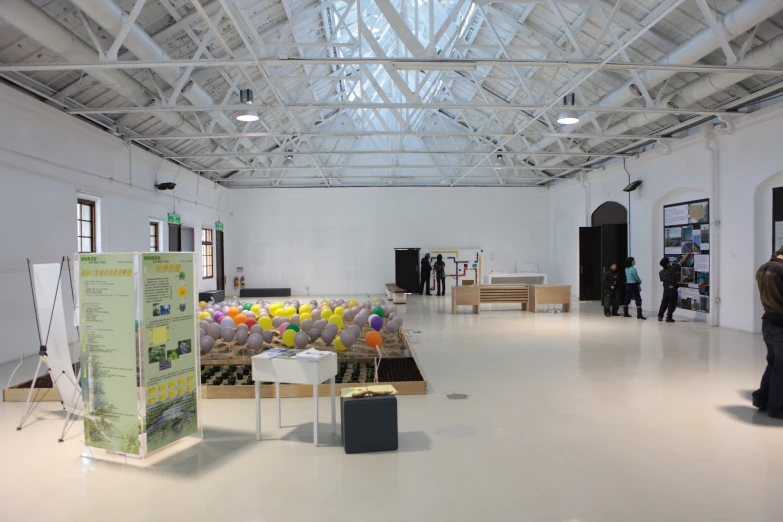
point(169, 323)
point(107, 318)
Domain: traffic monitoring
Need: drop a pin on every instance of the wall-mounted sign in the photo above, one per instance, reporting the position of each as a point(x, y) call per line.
point(218, 225)
point(175, 219)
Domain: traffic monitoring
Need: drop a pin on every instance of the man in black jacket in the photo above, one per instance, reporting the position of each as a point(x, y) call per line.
point(426, 270)
point(611, 288)
point(769, 397)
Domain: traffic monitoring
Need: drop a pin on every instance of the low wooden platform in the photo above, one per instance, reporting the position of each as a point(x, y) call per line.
point(476, 295)
point(550, 295)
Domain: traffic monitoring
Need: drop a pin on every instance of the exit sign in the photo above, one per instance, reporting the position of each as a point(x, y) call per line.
point(175, 219)
point(218, 226)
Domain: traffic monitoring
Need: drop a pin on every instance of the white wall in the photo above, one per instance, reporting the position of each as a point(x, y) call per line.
point(46, 157)
point(750, 164)
point(342, 240)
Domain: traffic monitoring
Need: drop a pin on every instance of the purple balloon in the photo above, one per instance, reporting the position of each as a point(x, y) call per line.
point(218, 316)
point(376, 323)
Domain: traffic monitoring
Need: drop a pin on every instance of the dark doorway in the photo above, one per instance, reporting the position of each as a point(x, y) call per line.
point(220, 274)
point(188, 240)
point(175, 238)
point(604, 242)
point(406, 268)
point(589, 263)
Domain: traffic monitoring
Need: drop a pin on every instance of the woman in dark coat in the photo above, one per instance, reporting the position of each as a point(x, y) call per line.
point(611, 290)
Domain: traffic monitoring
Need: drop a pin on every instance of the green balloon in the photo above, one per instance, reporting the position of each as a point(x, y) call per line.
point(293, 327)
point(378, 311)
point(247, 306)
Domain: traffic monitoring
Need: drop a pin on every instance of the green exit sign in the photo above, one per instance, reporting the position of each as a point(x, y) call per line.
point(218, 226)
point(175, 219)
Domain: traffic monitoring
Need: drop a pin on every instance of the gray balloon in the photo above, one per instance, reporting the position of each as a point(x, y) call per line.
point(256, 329)
point(241, 337)
point(268, 336)
point(328, 336)
point(361, 318)
point(214, 330)
point(391, 315)
point(393, 326)
point(287, 303)
point(209, 319)
point(227, 334)
point(392, 307)
point(235, 302)
point(296, 304)
point(277, 321)
point(356, 330)
point(315, 333)
point(255, 341)
point(306, 325)
point(207, 343)
point(203, 324)
point(331, 327)
point(210, 309)
point(316, 314)
point(313, 303)
point(249, 314)
point(242, 326)
point(320, 324)
point(348, 315)
point(348, 338)
point(225, 309)
point(202, 333)
point(301, 339)
point(295, 319)
point(333, 304)
point(398, 320)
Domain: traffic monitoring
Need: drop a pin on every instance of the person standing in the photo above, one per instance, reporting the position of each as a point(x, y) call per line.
point(769, 277)
point(440, 275)
point(611, 289)
point(426, 270)
point(670, 277)
point(633, 289)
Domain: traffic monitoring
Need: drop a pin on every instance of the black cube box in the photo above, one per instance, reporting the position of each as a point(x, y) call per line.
point(369, 423)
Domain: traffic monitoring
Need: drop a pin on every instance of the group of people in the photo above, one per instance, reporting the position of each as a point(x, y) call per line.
point(440, 275)
point(613, 282)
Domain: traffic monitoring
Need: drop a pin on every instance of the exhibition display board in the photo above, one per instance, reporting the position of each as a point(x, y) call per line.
point(138, 363)
point(687, 230)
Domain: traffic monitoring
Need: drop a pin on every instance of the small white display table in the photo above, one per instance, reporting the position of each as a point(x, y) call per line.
point(515, 278)
point(294, 371)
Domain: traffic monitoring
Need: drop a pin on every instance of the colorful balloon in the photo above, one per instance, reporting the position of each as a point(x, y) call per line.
point(378, 311)
point(339, 311)
point(352, 303)
point(304, 317)
point(305, 309)
point(338, 344)
point(256, 308)
point(336, 319)
point(247, 306)
point(227, 322)
point(202, 304)
point(233, 311)
point(326, 313)
point(373, 339)
point(283, 327)
point(290, 311)
point(288, 338)
point(239, 319)
point(292, 326)
point(251, 323)
point(265, 322)
point(376, 323)
point(203, 315)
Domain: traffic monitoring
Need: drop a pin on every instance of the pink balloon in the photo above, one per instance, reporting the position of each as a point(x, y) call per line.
point(283, 327)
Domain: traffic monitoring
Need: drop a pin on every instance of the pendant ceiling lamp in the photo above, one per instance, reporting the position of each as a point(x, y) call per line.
point(246, 98)
point(568, 116)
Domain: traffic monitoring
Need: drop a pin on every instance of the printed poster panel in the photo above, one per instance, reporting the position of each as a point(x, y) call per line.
point(169, 341)
point(107, 315)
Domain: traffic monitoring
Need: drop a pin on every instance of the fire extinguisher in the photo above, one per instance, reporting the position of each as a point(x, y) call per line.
point(242, 282)
point(236, 281)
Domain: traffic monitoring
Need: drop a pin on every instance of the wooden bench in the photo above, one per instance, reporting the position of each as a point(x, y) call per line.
point(549, 295)
point(476, 295)
point(395, 294)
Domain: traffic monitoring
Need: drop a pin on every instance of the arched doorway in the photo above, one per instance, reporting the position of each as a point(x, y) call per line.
point(606, 241)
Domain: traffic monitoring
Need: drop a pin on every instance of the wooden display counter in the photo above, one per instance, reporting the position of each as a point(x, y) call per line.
point(550, 295)
point(528, 296)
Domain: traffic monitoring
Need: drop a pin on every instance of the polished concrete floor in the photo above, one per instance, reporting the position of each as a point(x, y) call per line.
point(569, 418)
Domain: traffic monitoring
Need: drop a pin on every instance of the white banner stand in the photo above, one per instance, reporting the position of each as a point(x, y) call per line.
point(46, 285)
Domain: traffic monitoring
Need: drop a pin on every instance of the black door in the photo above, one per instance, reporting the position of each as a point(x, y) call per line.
point(220, 274)
point(590, 263)
point(406, 268)
point(175, 238)
point(188, 240)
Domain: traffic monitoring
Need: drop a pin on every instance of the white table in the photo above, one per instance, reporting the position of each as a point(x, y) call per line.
point(294, 371)
point(515, 278)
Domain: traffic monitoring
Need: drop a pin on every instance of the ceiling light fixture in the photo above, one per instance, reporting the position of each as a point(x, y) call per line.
point(246, 97)
point(435, 66)
point(288, 161)
point(499, 160)
point(566, 116)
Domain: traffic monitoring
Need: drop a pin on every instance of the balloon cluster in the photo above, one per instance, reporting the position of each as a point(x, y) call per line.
point(296, 323)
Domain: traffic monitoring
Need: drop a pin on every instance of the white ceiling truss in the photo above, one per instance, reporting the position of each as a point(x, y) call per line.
point(395, 92)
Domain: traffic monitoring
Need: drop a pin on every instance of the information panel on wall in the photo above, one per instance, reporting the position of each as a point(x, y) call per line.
point(107, 317)
point(777, 218)
point(169, 341)
point(687, 230)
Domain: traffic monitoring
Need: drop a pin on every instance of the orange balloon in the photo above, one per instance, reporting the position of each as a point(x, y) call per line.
point(325, 304)
point(233, 312)
point(373, 339)
point(239, 319)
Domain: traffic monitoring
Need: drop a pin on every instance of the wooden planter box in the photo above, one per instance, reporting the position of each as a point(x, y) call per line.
point(299, 390)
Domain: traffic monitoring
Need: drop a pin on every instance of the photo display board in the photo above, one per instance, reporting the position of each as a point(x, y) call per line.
point(686, 228)
point(777, 218)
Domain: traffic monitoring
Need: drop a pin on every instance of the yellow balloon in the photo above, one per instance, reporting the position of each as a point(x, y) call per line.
point(339, 311)
point(265, 322)
point(325, 304)
point(255, 308)
point(339, 345)
point(280, 312)
point(288, 338)
point(203, 315)
point(338, 320)
point(305, 309)
point(202, 304)
point(290, 311)
point(304, 316)
point(326, 313)
point(352, 303)
point(275, 307)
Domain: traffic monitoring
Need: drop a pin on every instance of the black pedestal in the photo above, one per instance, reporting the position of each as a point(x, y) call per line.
point(369, 423)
